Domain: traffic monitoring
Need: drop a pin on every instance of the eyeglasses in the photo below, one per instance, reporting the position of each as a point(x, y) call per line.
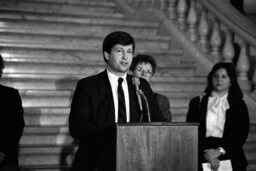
point(141, 70)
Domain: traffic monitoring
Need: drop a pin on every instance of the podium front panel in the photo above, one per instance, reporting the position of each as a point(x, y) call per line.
point(157, 147)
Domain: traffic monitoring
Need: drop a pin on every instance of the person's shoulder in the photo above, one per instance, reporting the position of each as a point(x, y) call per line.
point(7, 89)
point(91, 79)
point(236, 103)
point(196, 99)
point(161, 96)
point(7, 92)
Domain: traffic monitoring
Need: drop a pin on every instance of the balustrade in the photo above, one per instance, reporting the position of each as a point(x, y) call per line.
point(228, 51)
point(216, 41)
point(182, 8)
point(192, 21)
point(172, 9)
point(192, 18)
point(203, 31)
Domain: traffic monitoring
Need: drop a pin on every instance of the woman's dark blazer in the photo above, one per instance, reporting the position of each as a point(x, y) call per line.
point(236, 129)
point(11, 123)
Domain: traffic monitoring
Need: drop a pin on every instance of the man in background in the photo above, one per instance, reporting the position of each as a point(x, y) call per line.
point(11, 125)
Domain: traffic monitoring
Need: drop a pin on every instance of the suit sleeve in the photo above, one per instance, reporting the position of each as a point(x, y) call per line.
point(14, 124)
point(81, 124)
point(237, 128)
point(193, 110)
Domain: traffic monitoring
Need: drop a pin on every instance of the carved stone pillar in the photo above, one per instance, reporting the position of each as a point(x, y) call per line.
point(192, 22)
point(228, 51)
point(203, 31)
point(182, 9)
point(172, 9)
point(216, 41)
point(243, 67)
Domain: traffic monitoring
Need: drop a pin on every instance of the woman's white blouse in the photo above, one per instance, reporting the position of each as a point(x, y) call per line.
point(216, 115)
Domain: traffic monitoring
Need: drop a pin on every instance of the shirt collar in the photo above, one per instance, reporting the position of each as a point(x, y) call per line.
point(113, 77)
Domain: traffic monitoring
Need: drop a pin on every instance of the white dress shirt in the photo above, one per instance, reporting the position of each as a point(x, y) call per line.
point(216, 115)
point(114, 85)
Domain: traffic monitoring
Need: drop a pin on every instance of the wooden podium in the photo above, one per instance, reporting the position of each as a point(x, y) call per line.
point(157, 147)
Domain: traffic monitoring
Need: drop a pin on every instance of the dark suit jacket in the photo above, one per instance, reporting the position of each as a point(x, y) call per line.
point(164, 105)
point(11, 124)
point(92, 120)
point(236, 129)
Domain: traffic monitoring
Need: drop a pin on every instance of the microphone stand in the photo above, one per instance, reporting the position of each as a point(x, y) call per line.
point(140, 104)
point(146, 100)
point(136, 82)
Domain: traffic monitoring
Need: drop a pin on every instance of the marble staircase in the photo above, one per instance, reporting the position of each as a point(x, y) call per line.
point(49, 45)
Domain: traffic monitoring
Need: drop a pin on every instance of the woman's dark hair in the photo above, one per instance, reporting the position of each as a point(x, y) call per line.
point(114, 38)
point(143, 58)
point(1, 65)
point(234, 90)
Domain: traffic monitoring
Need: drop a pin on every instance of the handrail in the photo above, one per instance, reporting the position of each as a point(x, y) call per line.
point(235, 21)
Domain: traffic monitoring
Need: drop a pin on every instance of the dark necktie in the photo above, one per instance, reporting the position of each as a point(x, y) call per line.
point(121, 102)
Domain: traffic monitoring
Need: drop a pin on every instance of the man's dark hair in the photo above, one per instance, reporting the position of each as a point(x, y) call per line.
point(234, 89)
point(143, 58)
point(114, 38)
point(1, 65)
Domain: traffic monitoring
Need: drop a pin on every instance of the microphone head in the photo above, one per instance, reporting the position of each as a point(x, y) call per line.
point(136, 80)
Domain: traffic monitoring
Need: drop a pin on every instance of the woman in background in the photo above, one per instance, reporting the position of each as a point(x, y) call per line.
point(223, 118)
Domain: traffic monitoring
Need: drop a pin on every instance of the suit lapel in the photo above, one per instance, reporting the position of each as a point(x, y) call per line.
point(105, 95)
point(204, 104)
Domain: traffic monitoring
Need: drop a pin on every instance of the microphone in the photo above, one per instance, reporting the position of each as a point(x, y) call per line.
point(136, 83)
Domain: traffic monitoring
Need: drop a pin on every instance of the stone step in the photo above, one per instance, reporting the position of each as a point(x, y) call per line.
point(31, 77)
point(252, 135)
point(38, 135)
point(87, 69)
point(64, 101)
point(250, 149)
point(78, 56)
point(68, 84)
point(9, 14)
point(64, 111)
point(50, 21)
point(76, 26)
point(68, 93)
point(57, 7)
point(49, 120)
point(44, 159)
point(40, 115)
point(46, 154)
point(45, 167)
point(72, 1)
point(252, 166)
point(251, 155)
point(76, 42)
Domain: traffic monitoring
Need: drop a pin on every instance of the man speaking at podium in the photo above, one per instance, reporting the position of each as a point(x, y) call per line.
point(109, 97)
